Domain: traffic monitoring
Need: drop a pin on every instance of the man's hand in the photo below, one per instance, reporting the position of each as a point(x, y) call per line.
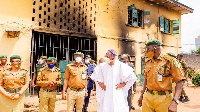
point(33, 85)
point(86, 94)
point(9, 96)
point(16, 97)
point(52, 83)
point(140, 101)
point(64, 97)
point(119, 86)
point(103, 87)
point(173, 107)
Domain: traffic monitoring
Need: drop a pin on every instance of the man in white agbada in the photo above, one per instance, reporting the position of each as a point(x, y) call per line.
point(113, 80)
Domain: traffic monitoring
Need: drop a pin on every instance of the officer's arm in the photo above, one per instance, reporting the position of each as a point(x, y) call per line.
point(2, 90)
point(65, 85)
point(178, 89)
point(144, 88)
point(178, 76)
point(66, 79)
point(34, 77)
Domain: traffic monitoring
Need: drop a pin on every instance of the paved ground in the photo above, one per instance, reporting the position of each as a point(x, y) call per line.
point(192, 106)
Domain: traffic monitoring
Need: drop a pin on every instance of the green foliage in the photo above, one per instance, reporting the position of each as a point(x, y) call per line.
point(196, 79)
point(191, 73)
point(197, 51)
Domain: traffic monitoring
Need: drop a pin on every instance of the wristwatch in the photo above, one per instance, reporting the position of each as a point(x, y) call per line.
point(124, 83)
point(177, 101)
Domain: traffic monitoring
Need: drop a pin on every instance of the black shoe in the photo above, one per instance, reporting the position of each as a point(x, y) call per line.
point(132, 107)
point(186, 99)
point(84, 108)
point(181, 98)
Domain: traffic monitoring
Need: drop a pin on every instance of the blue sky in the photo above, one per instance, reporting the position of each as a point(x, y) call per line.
point(190, 25)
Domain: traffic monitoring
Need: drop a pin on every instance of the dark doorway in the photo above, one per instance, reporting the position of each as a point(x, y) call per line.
point(60, 46)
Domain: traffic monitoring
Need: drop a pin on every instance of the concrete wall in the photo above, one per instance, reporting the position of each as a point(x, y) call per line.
point(112, 18)
point(16, 15)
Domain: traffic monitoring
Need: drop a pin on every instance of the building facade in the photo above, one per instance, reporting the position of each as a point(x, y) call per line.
point(59, 28)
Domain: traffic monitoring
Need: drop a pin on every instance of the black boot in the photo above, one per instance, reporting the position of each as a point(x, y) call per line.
point(181, 98)
point(186, 99)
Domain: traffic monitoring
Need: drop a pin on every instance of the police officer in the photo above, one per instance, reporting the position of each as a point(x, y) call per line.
point(76, 83)
point(14, 82)
point(42, 62)
point(158, 74)
point(89, 85)
point(183, 97)
point(3, 59)
point(48, 79)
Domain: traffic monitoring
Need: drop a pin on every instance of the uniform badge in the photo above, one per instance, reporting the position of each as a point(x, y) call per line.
point(83, 75)
point(53, 60)
point(177, 64)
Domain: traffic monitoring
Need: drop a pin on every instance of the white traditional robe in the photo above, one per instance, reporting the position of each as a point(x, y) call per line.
point(113, 100)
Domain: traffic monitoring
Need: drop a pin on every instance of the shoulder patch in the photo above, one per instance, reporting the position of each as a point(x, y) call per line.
point(177, 64)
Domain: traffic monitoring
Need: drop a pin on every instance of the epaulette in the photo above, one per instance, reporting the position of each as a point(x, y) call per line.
point(146, 60)
point(71, 64)
point(167, 57)
point(57, 69)
point(21, 69)
point(43, 68)
point(83, 65)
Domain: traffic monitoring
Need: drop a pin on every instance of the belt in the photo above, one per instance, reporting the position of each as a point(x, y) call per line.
point(49, 90)
point(12, 90)
point(158, 92)
point(76, 89)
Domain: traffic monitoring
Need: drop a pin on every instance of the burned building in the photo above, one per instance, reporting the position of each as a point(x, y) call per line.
point(59, 28)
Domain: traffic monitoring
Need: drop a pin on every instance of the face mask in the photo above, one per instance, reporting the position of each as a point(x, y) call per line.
point(78, 59)
point(107, 60)
point(150, 54)
point(41, 61)
point(51, 66)
point(122, 60)
point(17, 65)
point(87, 61)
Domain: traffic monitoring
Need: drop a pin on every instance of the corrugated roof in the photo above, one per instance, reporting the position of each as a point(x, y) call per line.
point(174, 5)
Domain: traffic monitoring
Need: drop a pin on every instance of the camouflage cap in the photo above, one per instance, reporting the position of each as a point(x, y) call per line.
point(78, 53)
point(51, 59)
point(43, 57)
point(15, 57)
point(171, 54)
point(153, 42)
point(3, 56)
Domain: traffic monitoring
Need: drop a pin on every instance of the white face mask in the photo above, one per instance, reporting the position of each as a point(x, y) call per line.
point(107, 60)
point(78, 59)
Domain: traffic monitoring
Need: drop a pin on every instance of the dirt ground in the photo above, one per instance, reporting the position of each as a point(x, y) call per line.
point(31, 104)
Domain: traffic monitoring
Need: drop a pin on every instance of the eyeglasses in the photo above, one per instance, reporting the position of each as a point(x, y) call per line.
point(16, 61)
